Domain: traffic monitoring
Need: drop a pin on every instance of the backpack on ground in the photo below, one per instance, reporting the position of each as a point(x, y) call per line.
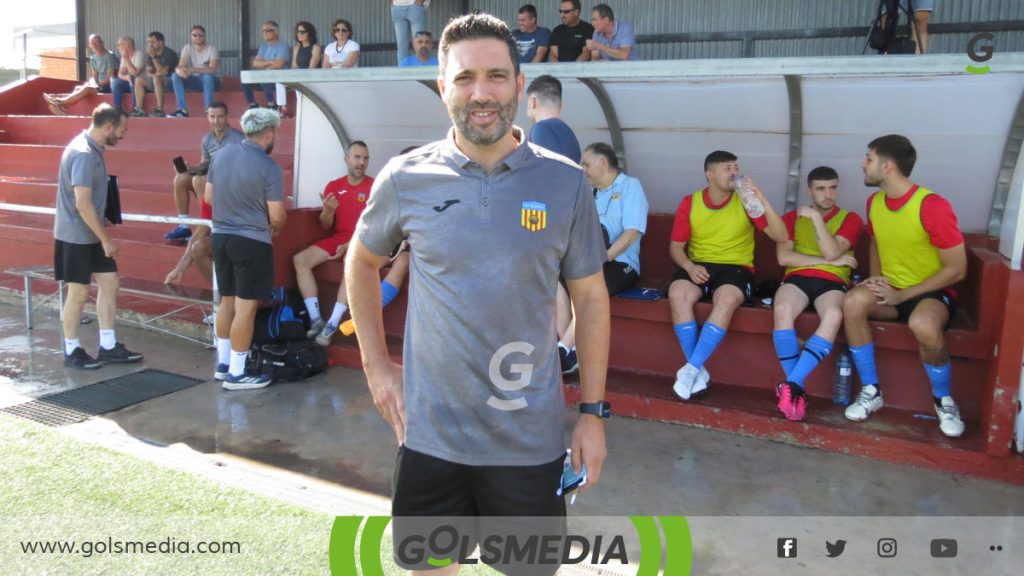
point(287, 361)
point(285, 320)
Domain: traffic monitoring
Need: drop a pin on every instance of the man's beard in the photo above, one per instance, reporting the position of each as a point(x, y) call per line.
point(463, 122)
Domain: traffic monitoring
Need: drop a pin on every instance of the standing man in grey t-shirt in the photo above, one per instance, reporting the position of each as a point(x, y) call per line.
point(477, 406)
point(246, 189)
point(83, 249)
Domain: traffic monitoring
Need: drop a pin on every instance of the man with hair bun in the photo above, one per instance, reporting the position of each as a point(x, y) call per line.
point(246, 189)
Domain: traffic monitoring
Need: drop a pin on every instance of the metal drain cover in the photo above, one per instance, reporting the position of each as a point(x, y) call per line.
point(83, 403)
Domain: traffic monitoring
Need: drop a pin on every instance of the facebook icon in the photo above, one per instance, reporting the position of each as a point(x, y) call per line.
point(786, 547)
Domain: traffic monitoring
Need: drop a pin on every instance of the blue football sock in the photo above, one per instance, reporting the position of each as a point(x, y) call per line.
point(941, 378)
point(387, 292)
point(686, 333)
point(710, 337)
point(787, 348)
point(816, 350)
point(864, 360)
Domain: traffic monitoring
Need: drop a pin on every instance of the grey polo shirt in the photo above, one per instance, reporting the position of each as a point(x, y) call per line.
point(482, 380)
point(244, 179)
point(81, 164)
point(211, 145)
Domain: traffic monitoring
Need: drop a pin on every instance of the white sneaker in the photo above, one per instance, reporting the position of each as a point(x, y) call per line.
point(869, 400)
point(324, 339)
point(949, 417)
point(315, 329)
point(685, 379)
point(700, 384)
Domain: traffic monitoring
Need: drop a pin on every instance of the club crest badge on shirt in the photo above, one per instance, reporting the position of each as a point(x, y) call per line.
point(361, 197)
point(534, 216)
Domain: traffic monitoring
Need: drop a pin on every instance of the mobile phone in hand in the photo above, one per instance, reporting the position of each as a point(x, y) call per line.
point(179, 165)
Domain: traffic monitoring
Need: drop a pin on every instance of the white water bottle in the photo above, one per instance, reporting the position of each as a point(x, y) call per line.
point(751, 204)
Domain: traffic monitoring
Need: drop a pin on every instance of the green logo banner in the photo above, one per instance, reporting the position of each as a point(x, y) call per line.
point(357, 545)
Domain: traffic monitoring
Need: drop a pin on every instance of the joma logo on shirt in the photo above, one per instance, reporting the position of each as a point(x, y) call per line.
point(523, 371)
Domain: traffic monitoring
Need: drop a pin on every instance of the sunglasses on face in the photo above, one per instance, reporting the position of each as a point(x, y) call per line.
point(570, 10)
point(265, 30)
point(300, 31)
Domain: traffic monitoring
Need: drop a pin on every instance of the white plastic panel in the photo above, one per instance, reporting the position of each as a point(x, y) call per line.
point(958, 124)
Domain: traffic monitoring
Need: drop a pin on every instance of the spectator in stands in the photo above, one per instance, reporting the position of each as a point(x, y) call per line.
point(307, 51)
point(344, 51)
point(533, 40)
point(917, 255)
point(193, 180)
point(569, 39)
point(160, 64)
point(712, 242)
point(818, 256)
point(133, 64)
point(343, 201)
point(102, 68)
point(197, 70)
point(246, 189)
point(83, 249)
point(922, 13)
point(622, 209)
point(479, 414)
point(409, 17)
point(272, 55)
point(423, 43)
point(544, 108)
point(613, 40)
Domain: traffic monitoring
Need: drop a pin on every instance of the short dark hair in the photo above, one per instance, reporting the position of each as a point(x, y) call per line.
point(197, 27)
point(602, 149)
point(575, 3)
point(356, 143)
point(717, 157)
point(477, 26)
point(310, 31)
point(351, 30)
point(546, 87)
point(897, 148)
point(219, 104)
point(159, 36)
point(106, 114)
point(822, 173)
point(604, 11)
point(529, 9)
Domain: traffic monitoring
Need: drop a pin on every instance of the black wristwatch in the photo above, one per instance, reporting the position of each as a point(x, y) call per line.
point(600, 409)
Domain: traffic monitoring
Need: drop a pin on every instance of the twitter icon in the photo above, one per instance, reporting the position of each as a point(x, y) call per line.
point(835, 550)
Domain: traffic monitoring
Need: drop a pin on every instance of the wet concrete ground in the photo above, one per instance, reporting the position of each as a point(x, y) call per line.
point(327, 428)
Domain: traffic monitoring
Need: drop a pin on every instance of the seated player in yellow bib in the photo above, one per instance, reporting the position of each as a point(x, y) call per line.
point(917, 254)
point(713, 244)
point(818, 257)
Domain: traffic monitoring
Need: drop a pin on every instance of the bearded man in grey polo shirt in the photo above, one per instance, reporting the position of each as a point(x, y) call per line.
point(477, 406)
point(83, 249)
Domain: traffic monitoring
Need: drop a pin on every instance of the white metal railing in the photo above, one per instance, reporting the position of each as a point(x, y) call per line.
point(128, 217)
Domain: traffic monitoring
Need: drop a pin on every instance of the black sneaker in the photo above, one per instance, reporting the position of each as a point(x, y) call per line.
point(158, 113)
point(137, 113)
point(180, 114)
point(568, 360)
point(79, 358)
point(253, 105)
point(118, 354)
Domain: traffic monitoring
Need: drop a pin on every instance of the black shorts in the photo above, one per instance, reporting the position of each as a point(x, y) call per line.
point(814, 287)
point(722, 275)
point(78, 262)
point(619, 276)
point(430, 492)
point(244, 267)
point(905, 309)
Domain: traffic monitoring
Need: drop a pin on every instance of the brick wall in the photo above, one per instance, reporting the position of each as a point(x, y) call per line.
point(59, 63)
